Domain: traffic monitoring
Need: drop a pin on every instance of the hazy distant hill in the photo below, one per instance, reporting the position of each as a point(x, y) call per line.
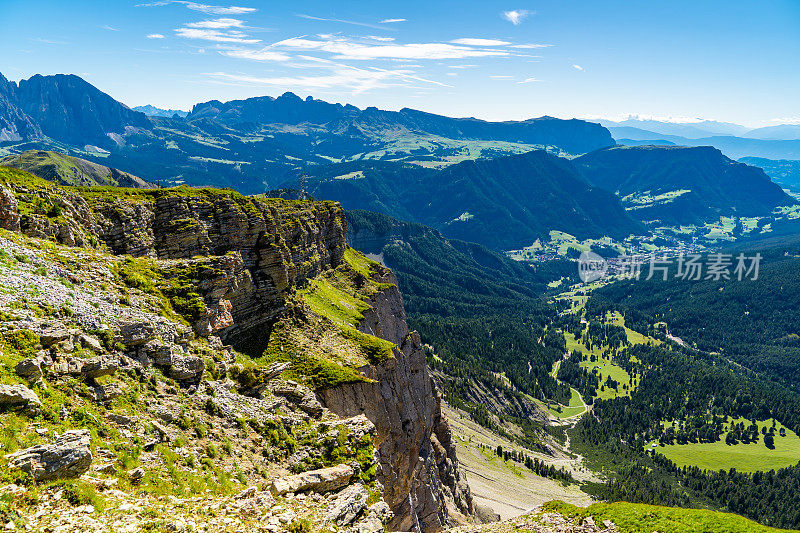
point(152, 111)
point(781, 132)
point(574, 136)
point(690, 130)
point(67, 170)
point(785, 173)
point(733, 147)
point(681, 185)
point(503, 203)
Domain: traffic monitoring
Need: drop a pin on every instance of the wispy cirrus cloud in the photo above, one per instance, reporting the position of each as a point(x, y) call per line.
point(793, 121)
point(344, 48)
point(155, 36)
point(332, 76)
point(109, 28)
point(528, 80)
point(578, 67)
point(48, 41)
point(530, 46)
point(220, 30)
point(203, 8)
point(480, 42)
point(343, 21)
point(218, 36)
point(516, 16)
point(391, 21)
point(221, 23)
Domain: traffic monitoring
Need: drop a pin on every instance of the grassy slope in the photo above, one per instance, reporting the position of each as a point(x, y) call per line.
point(751, 457)
point(67, 170)
point(641, 518)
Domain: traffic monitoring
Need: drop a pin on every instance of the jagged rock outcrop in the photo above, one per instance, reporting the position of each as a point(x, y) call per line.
point(423, 485)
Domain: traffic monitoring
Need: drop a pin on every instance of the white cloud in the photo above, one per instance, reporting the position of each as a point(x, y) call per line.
point(109, 28)
point(516, 16)
point(787, 120)
point(379, 39)
point(480, 42)
point(216, 35)
point(531, 46)
point(155, 36)
point(529, 80)
point(219, 10)
point(461, 66)
point(499, 77)
point(217, 24)
point(577, 67)
point(342, 48)
point(204, 8)
point(335, 76)
point(392, 21)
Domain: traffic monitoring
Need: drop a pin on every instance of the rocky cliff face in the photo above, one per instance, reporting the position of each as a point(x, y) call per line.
point(423, 484)
point(15, 124)
point(244, 257)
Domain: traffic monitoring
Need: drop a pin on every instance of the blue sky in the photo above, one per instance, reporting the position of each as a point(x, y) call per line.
point(732, 60)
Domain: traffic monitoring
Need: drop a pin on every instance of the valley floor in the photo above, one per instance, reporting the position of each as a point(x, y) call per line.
point(507, 487)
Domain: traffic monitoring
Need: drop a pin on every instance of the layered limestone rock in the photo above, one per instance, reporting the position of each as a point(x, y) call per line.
point(423, 485)
point(259, 247)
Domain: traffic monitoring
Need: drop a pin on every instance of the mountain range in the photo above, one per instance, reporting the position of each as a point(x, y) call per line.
point(253, 144)
point(498, 184)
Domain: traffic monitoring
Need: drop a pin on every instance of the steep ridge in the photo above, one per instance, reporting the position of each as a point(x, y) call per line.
point(682, 185)
point(67, 170)
point(249, 260)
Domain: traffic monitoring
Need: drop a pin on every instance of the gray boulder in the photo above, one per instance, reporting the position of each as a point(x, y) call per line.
point(69, 456)
point(19, 396)
point(322, 480)
point(136, 333)
point(89, 368)
point(347, 505)
point(187, 368)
